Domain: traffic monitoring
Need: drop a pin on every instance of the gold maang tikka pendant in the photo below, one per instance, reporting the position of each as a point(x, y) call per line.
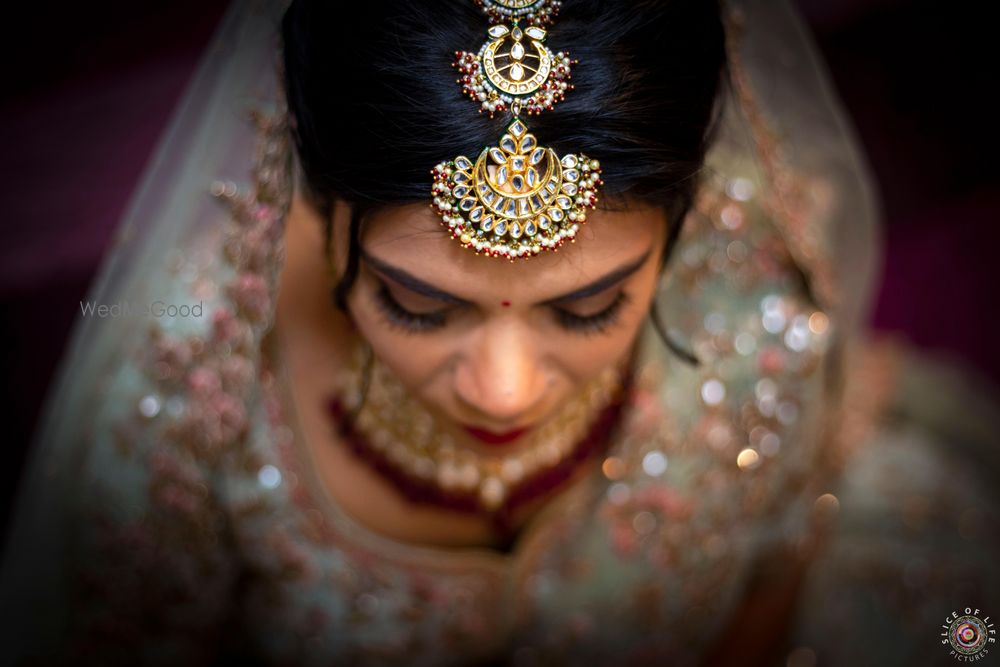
point(515, 70)
point(517, 198)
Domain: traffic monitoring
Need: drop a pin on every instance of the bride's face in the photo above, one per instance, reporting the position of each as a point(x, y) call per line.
point(491, 344)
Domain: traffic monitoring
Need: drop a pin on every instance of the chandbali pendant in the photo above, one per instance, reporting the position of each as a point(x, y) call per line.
point(516, 198)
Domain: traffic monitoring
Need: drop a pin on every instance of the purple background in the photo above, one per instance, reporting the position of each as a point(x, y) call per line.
point(88, 88)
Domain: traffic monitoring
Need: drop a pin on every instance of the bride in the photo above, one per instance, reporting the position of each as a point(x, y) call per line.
point(532, 336)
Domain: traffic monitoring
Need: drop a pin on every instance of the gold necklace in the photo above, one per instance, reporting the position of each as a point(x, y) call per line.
point(409, 444)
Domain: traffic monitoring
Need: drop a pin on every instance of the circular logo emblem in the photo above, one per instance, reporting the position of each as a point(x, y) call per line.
point(968, 634)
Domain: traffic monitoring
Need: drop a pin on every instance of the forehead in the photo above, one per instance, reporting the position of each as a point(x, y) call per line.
point(412, 238)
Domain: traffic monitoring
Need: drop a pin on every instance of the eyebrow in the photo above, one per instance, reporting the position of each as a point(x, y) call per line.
point(417, 285)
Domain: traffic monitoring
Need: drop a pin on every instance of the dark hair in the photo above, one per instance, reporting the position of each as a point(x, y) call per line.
point(375, 105)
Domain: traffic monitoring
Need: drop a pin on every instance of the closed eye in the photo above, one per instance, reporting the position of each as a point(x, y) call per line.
point(593, 323)
point(405, 319)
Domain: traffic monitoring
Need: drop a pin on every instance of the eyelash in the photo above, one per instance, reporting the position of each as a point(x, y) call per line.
point(421, 322)
point(403, 318)
point(597, 323)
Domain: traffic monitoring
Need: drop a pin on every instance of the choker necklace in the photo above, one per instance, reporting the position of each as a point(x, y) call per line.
point(394, 434)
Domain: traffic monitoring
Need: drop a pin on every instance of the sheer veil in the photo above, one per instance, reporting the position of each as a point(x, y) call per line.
point(784, 118)
point(782, 125)
point(211, 139)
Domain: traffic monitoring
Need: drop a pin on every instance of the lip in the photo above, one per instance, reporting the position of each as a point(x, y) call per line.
point(491, 438)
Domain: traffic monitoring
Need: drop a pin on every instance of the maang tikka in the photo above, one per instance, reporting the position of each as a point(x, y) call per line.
point(516, 198)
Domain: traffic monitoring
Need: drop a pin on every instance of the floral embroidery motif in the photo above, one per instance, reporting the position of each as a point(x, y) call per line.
point(168, 556)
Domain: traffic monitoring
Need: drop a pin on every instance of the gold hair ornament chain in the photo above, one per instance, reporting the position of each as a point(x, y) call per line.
point(517, 198)
point(532, 12)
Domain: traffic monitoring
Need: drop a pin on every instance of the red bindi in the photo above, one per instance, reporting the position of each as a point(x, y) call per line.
point(505, 303)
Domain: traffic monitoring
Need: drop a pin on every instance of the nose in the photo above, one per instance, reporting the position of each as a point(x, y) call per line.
point(501, 378)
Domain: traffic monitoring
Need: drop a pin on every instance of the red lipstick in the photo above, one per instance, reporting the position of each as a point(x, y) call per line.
point(491, 438)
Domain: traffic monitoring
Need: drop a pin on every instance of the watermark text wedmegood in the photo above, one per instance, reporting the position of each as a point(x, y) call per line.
point(153, 309)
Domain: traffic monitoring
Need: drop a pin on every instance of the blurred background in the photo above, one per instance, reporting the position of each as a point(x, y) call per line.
point(89, 87)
